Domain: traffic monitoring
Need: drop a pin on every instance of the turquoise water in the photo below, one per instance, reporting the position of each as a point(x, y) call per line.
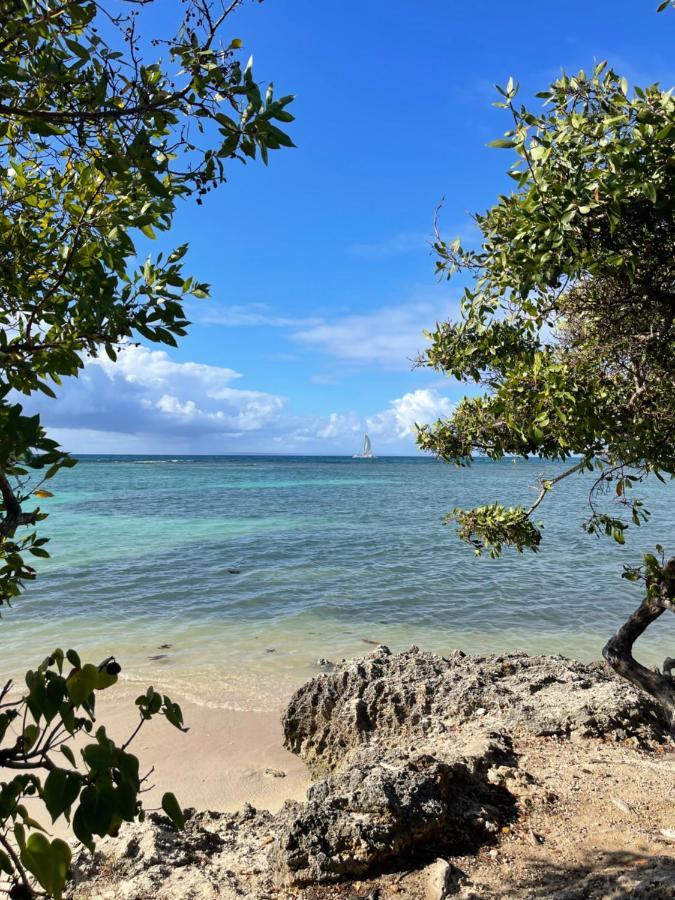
point(332, 554)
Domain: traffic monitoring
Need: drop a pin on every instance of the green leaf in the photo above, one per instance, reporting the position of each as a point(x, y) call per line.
point(48, 861)
point(5, 863)
point(173, 810)
point(81, 683)
point(30, 735)
point(502, 144)
point(69, 755)
point(61, 789)
point(78, 49)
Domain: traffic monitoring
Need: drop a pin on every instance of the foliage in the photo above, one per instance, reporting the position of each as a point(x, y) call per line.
point(36, 733)
point(496, 526)
point(97, 146)
point(567, 320)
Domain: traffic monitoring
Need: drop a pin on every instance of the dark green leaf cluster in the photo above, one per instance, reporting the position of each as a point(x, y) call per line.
point(493, 526)
point(568, 319)
point(95, 794)
point(653, 571)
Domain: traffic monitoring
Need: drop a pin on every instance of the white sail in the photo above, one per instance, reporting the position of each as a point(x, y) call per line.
point(367, 452)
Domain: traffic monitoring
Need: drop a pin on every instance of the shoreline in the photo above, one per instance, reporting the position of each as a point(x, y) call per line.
point(509, 776)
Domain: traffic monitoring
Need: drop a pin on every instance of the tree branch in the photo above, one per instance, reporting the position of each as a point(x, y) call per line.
point(14, 517)
point(548, 483)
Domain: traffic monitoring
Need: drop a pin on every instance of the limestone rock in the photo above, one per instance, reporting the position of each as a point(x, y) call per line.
point(387, 698)
point(417, 761)
point(218, 855)
point(439, 880)
point(401, 804)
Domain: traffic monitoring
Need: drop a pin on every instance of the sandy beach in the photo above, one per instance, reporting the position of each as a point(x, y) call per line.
point(226, 759)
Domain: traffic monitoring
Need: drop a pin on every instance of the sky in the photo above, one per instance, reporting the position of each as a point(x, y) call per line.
point(321, 267)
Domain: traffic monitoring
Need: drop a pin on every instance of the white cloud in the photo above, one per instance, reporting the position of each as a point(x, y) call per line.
point(403, 242)
point(247, 315)
point(390, 336)
point(148, 403)
point(146, 392)
point(420, 407)
point(339, 425)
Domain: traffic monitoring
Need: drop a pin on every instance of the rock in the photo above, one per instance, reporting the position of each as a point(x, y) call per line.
point(387, 697)
point(418, 766)
point(325, 663)
point(535, 839)
point(275, 773)
point(390, 805)
point(218, 855)
point(439, 880)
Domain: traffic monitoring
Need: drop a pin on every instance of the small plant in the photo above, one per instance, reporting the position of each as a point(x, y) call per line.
point(95, 794)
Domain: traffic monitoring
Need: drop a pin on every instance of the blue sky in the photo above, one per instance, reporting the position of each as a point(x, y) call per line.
point(320, 265)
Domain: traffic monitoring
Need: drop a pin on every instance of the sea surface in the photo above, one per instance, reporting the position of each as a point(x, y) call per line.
point(226, 579)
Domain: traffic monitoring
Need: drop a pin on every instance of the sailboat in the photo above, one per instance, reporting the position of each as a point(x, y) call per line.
point(367, 452)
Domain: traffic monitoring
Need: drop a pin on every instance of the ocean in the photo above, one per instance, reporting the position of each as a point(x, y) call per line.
point(226, 579)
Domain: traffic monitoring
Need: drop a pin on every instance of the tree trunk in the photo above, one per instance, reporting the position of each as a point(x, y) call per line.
point(618, 651)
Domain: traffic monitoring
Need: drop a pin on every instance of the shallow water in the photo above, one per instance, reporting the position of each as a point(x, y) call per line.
point(333, 554)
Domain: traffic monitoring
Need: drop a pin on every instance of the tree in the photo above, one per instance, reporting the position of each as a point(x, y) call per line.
point(567, 324)
point(97, 146)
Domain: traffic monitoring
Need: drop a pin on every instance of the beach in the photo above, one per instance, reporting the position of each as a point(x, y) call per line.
point(226, 759)
point(504, 776)
point(243, 579)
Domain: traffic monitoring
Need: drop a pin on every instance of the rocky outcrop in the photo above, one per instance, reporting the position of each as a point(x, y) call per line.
point(418, 762)
point(388, 698)
point(394, 807)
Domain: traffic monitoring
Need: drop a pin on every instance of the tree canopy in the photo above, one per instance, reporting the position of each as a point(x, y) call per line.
point(567, 320)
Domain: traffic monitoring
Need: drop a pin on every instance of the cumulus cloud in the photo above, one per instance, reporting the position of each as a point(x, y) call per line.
point(339, 425)
point(146, 392)
point(148, 403)
point(420, 407)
